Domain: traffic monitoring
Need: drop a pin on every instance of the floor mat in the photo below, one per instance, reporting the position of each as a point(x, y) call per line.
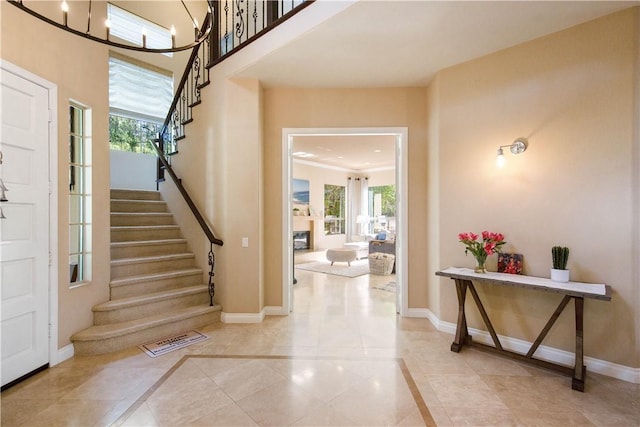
point(165, 345)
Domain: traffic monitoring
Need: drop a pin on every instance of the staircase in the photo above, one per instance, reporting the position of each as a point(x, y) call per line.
point(156, 289)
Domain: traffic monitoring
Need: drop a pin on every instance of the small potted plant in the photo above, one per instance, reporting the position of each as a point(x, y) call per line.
point(559, 257)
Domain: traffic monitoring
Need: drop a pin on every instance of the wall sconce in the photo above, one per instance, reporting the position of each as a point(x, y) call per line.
point(518, 146)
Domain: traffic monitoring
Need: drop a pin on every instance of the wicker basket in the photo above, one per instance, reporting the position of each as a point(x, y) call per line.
point(381, 263)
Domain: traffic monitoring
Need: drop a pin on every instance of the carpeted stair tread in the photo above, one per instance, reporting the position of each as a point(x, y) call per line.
point(139, 201)
point(144, 227)
point(123, 193)
point(136, 214)
point(121, 303)
point(147, 242)
point(154, 276)
point(124, 328)
point(152, 258)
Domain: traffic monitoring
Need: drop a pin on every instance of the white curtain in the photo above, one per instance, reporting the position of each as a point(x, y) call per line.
point(364, 204)
point(352, 208)
point(357, 207)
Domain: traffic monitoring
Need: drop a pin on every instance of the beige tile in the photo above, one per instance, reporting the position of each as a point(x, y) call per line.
point(464, 391)
point(52, 383)
point(173, 407)
point(489, 364)
point(382, 399)
point(72, 413)
point(227, 416)
point(280, 404)
point(475, 417)
point(141, 417)
point(413, 419)
point(247, 378)
point(535, 418)
point(18, 412)
point(323, 416)
point(323, 379)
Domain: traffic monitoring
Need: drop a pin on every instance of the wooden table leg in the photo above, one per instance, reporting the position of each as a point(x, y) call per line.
point(461, 328)
point(579, 371)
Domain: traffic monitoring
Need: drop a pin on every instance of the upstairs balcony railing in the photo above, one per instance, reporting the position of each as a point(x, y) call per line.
point(236, 23)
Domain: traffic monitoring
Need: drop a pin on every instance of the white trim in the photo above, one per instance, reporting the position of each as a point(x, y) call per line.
point(52, 90)
point(401, 134)
point(550, 354)
point(274, 311)
point(242, 317)
point(66, 352)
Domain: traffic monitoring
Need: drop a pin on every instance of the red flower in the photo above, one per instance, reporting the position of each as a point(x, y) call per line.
point(490, 244)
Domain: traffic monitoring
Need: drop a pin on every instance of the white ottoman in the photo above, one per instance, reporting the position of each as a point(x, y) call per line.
point(361, 248)
point(341, 255)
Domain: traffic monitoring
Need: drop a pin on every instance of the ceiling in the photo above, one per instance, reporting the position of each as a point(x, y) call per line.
point(352, 152)
point(404, 44)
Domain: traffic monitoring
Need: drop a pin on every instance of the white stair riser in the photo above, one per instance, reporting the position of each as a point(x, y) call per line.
point(109, 345)
point(128, 235)
point(149, 267)
point(137, 206)
point(150, 309)
point(139, 219)
point(135, 251)
point(135, 195)
point(146, 287)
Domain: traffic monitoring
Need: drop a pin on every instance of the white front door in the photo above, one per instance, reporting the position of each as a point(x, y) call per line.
point(24, 232)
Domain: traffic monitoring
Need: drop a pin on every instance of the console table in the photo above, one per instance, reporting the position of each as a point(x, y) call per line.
point(464, 278)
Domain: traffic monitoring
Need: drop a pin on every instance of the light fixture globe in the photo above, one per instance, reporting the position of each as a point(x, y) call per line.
point(519, 146)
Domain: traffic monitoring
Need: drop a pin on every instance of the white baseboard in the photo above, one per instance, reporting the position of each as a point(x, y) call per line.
point(242, 317)
point(274, 311)
point(65, 353)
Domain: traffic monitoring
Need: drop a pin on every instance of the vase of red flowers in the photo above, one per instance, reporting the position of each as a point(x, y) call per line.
point(481, 249)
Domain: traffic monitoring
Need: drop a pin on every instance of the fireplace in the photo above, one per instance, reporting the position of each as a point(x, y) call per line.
point(301, 240)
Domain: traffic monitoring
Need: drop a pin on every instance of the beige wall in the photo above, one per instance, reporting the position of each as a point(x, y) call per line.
point(344, 108)
point(572, 95)
point(79, 69)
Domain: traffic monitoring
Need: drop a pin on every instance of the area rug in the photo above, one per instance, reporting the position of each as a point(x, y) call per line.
point(357, 268)
point(389, 287)
point(165, 345)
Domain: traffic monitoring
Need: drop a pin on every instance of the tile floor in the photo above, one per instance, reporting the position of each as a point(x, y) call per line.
point(342, 358)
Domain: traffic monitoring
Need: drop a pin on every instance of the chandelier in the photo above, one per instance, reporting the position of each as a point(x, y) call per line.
point(201, 34)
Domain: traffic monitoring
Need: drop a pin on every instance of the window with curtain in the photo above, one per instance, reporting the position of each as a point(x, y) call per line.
point(139, 100)
point(382, 204)
point(334, 208)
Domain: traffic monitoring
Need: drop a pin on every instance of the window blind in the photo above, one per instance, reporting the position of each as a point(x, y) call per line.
point(127, 26)
point(137, 91)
